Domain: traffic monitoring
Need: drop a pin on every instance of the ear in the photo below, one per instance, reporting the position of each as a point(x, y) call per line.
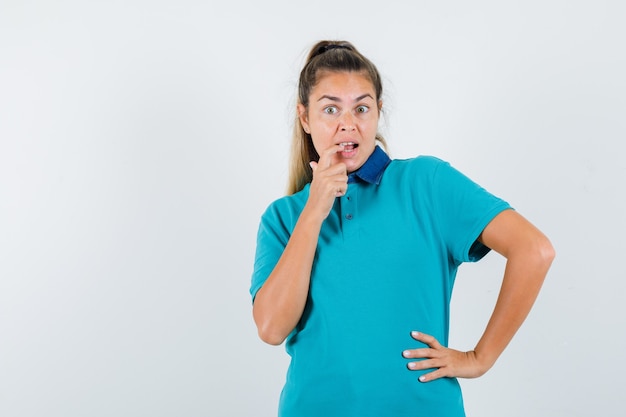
point(304, 118)
point(380, 105)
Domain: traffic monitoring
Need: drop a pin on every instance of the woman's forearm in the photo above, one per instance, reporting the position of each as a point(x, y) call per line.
point(529, 254)
point(279, 303)
point(526, 268)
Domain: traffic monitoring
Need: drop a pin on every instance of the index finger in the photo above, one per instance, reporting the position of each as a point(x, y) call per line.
point(426, 339)
point(326, 157)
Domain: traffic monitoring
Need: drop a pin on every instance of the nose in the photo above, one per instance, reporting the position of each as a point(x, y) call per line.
point(346, 123)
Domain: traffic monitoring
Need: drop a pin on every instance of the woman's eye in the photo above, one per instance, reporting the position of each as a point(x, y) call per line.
point(362, 109)
point(330, 110)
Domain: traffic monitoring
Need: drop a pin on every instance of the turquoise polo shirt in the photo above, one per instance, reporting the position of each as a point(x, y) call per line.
point(385, 264)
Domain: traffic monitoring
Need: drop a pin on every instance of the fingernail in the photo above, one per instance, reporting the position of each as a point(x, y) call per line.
point(406, 353)
point(415, 334)
point(422, 378)
point(412, 365)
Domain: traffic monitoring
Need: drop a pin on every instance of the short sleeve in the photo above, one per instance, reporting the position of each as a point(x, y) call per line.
point(275, 228)
point(463, 209)
point(272, 237)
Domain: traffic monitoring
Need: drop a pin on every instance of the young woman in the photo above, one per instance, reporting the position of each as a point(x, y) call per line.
point(355, 267)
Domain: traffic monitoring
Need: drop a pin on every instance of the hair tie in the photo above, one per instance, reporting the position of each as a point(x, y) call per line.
point(326, 48)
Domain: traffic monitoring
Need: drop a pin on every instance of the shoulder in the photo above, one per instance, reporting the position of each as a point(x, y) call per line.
point(422, 166)
point(421, 162)
point(429, 174)
point(287, 206)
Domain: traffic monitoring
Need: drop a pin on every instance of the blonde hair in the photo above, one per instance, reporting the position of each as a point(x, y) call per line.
point(325, 56)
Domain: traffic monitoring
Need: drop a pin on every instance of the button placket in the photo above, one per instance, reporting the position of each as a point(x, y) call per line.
point(348, 209)
point(348, 206)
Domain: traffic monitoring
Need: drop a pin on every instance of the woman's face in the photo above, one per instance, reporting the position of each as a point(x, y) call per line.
point(343, 110)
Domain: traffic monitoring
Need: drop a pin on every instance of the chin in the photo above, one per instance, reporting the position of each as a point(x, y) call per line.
point(351, 167)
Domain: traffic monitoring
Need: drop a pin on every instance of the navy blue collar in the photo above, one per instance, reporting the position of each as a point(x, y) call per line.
point(372, 170)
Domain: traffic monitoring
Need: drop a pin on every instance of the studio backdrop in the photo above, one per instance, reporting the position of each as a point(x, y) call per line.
point(140, 142)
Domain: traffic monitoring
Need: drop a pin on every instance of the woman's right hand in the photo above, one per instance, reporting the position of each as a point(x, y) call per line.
point(280, 302)
point(329, 182)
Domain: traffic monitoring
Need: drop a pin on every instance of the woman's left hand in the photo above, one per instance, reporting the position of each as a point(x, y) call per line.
point(448, 363)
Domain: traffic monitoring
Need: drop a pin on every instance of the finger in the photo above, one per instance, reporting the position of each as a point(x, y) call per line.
point(326, 157)
point(427, 339)
point(431, 376)
point(341, 191)
point(425, 364)
point(420, 353)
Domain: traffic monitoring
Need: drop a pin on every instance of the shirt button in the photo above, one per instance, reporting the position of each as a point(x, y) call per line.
point(349, 216)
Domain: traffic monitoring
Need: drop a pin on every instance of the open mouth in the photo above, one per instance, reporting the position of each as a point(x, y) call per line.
point(349, 146)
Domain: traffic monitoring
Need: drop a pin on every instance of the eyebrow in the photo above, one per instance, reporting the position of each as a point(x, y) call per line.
point(333, 98)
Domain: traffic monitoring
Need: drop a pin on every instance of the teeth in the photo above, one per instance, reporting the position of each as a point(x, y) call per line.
point(347, 143)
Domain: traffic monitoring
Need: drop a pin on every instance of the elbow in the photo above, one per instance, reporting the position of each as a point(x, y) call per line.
point(270, 336)
point(536, 254)
point(546, 251)
point(268, 330)
point(539, 255)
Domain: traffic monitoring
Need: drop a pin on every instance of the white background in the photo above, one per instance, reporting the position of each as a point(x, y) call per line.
point(140, 141)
